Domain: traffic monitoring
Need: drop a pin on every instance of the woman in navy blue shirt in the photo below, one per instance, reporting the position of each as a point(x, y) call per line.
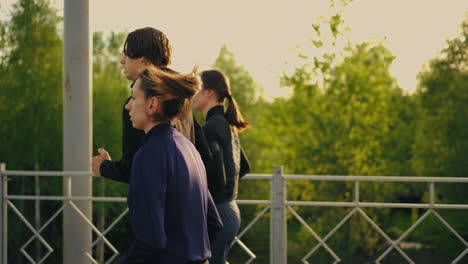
point(173, 216)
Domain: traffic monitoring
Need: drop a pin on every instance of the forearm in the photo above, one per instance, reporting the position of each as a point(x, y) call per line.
point(118, 170)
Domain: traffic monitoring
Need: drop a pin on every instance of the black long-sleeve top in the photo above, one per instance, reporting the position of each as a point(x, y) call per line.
point(229, 161)
point(132, 139)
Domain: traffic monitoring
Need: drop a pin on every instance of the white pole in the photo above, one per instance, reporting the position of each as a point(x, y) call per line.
point(77, 128)
point(278, 239)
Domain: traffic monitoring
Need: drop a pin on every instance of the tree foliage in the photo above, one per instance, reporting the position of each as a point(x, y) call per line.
point(441, 144)
point(31, 88)
point(346, 116)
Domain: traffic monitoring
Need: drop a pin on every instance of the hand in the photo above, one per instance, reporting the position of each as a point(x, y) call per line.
point(104, 154)
point(97, 160)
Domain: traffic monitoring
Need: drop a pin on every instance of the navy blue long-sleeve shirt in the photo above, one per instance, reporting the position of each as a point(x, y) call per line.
point(132, 139)
point(172, 213)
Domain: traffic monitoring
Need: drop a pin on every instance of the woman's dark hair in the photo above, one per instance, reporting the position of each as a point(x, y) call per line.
point(173, 91)
point(150, 43)
point(219, 82)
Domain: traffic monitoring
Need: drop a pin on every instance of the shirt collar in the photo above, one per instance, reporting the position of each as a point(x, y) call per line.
point(157, 129)
point(215, 110)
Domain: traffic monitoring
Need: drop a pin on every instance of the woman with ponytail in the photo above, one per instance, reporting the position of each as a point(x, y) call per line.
point(229, 162)
point(174, 218)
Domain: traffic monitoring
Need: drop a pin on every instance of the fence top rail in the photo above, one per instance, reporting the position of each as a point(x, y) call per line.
point(376, 178)
point(47, 173)
point(258, 177)
point(88, 173)
point(269, 177)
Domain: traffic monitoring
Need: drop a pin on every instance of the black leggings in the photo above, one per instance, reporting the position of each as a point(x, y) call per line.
point(230, 215)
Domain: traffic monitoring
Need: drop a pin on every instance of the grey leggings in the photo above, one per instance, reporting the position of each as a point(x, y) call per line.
point(230, 215)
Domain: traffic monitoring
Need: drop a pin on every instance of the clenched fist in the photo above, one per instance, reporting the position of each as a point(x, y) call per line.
point(97, 160)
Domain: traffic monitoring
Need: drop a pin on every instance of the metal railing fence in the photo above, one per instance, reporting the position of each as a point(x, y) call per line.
point(278, 207)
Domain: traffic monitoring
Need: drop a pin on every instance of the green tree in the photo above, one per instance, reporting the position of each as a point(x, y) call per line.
point(31, 86)
point(342, 128)
point(441, 147)
point(441, 144)
point(31, 107)
point(348, 111)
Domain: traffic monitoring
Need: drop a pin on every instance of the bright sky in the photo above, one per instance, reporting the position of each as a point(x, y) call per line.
point(263, 33)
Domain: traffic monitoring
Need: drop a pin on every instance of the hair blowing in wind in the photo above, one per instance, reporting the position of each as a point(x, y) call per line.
point(172, 89)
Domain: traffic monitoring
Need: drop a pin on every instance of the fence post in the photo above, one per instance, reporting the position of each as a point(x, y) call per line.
point(278, 234)
point(3, 215)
